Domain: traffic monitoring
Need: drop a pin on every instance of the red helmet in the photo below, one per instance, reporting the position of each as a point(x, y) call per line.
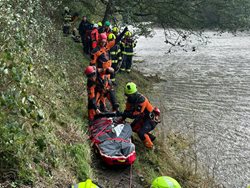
point(90, 71)
point(157, 111)
point(103, 37)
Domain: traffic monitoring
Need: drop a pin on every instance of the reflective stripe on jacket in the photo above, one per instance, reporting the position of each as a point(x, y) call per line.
point(67, 20)
point(128, 45)
point(115, 53)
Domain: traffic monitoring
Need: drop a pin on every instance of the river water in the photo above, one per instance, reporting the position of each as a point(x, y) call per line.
point(206, 93)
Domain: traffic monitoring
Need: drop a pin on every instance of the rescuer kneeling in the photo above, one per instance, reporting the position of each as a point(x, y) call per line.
point(145, 116)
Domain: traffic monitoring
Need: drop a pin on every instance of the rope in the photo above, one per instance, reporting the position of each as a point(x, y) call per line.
point(118, 66)
point(131, 176)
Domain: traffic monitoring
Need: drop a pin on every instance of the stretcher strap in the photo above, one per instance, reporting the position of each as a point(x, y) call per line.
point(118, 139)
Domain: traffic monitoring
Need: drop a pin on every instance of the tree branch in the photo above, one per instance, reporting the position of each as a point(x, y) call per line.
point(104, 2)
point(135, 14)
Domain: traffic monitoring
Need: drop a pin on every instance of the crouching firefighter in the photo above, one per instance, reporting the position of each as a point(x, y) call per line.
point(145, 116)
point(90, 72)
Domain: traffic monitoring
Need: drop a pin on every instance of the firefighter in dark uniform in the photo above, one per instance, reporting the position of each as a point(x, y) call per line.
point(67, 18)
point(128, 45)
point(84, 28)
point(115, 56)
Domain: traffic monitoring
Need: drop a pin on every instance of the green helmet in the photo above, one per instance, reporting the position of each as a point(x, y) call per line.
point(130, 88)
point(107, 23)
point(165, 182)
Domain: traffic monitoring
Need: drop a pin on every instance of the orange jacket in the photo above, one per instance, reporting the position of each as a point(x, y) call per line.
point(91, 87)
point(94, 35)
point(100, 56)
point(139, 106)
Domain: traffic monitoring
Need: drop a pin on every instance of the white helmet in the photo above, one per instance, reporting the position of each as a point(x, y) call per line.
point(66, 9)
point(95, 26)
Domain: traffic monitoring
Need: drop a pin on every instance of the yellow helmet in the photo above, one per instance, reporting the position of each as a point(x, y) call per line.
point(115, 30)
point(99, 24)
point(111, 37)
point(165, 182)
point(87, 184)
point(128, 34)
point(130, 88)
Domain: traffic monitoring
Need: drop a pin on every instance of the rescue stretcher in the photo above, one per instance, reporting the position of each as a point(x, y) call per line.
point(112, 140)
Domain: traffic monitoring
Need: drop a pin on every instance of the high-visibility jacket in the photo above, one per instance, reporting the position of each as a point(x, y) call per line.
point(128, 45)
point(138, 106)
point(115, 53)
point(67, 19)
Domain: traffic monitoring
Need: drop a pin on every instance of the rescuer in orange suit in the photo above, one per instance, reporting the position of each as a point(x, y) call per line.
point(90, 72)
point(94, 36)
point(100, 55)
point(145, 116)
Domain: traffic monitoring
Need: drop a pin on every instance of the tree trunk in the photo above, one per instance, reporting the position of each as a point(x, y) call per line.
point(108, 11)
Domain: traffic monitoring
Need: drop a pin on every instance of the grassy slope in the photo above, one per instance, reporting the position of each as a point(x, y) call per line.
point(54, 150)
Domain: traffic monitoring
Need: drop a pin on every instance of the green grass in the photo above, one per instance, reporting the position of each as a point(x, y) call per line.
point(43, 139)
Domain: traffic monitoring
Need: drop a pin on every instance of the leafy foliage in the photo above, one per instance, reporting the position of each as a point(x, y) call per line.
point(39, 95)
point(192, 14)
